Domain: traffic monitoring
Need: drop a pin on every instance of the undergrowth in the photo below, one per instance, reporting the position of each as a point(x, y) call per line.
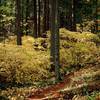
point(31, 61)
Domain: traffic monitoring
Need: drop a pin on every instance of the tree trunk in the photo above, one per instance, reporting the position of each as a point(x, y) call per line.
point(35, 19)
point(55, 39)
point(27, 15)
point(98, 17)
point(39, 29)
point(46, 16)
point(18, 20)
point(73, 15)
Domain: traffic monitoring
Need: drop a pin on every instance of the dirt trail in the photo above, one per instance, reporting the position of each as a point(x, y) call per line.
point(73, 82)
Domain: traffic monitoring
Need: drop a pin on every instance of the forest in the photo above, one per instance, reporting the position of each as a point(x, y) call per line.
point(49, 49)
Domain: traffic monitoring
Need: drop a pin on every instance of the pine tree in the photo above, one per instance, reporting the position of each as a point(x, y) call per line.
point(39, 21)
point(18, 22)
point(55, 39)
point(35, 19)
point(46, 16)
point(27, 15)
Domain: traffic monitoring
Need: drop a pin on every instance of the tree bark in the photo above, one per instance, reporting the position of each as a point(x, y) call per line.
point(46, 16)
point(47, 23)
point(35, 19)
point(98, 17)
point(18, 22)
point(39, 21)
point(55, 39)
point(71, 16)
point(27, 15)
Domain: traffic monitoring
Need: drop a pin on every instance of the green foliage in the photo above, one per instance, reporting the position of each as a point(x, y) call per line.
point(20, 65)
point(15, 93)
point(93, 95)
point(79, 50)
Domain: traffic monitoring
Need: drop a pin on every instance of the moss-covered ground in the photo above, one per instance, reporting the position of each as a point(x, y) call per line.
point(23, 68)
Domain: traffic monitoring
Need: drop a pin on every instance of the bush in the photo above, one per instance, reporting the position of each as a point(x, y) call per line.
point(80, 55)
point(20, 65)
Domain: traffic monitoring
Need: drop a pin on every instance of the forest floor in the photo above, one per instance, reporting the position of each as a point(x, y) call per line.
point(83, 84)
point(72, 85)
point(29, 66)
